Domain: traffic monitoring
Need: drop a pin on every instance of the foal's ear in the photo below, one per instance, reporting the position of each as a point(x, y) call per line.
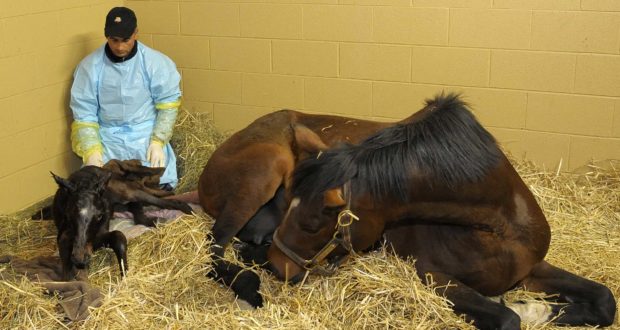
point(333, 198)
point(63, 183)
point(104, 178)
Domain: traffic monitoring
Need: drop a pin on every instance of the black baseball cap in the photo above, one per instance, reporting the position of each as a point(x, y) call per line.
point(120, 22)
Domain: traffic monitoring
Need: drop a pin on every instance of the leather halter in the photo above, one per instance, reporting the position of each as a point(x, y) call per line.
point(341, 237)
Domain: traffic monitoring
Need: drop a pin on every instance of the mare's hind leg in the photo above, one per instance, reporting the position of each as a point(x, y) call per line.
point(485, 313)
point(585, 301)
point(117, 241)
point(253, 254)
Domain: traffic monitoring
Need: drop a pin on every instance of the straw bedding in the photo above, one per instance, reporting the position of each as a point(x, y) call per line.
point(167, 287)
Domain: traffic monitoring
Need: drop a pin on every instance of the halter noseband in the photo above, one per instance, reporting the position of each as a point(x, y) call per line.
point(342, 237)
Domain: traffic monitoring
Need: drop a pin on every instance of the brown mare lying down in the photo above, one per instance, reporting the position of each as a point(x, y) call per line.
point(435, 186)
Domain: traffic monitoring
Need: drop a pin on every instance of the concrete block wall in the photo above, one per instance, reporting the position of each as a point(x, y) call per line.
point(542, 75)
point(41, 42)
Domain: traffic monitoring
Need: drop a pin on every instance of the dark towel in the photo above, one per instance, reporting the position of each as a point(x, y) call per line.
point(75, 296)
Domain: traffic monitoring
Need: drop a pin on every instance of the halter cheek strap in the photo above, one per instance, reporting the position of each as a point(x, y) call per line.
point(342, 237)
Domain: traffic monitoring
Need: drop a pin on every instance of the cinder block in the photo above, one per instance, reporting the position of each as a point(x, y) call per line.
point(535, 71)
point(15, 8)
point(37, 107)
point(598, 75)
point(231, 118)
point(307, 58)
point(401, 3)
point(273, 91)
point(421, 26)
point(400, 100)
point(337, 23)
point(522, 144)
point(497, 108)
point(576, 31)
point(376, 62)
point(271, 21)
point(510, 140)
point(81, 24)
point(56, 138)
point(339, 96)
point(584, 149)
point(147, 40)
point(492, 28)
point(212, 86)
point(26, 34)
point(198, 106)
point(8, 118)
point(185, 51)
point(210, 19)
point(4, 52)
point(57, 64)
point(600, 5)
point(450, 66)
point(24, 75)
point(21, 150)
point(616, 125)
point(245, 55)
point(537, 4)
point(34, 182)
point(572, 114)
point(454, 3)
point(157, 17)
point(323, 2)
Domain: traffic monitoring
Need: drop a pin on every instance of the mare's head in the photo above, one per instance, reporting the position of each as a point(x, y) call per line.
point(81, 209)
point(440, 147)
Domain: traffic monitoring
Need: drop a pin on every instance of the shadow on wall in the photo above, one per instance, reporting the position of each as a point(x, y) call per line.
point(87, 42)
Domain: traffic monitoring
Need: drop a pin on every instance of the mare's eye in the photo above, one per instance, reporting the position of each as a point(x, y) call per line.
point(331, 211)
point(311, 226)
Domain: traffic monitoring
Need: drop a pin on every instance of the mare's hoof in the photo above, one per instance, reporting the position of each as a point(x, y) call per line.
point(246, 287)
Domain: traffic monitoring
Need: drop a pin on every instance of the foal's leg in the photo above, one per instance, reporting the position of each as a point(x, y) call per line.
point(143, 197)
point(117, 241)
point(485, 313)
point(139, 218)
point(65, 247)
point(585, 301)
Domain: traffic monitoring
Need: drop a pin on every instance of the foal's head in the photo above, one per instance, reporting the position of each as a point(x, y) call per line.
point(82, 210)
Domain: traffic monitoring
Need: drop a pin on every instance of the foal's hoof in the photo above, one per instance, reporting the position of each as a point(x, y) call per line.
point(185, 208)
point(246, 287)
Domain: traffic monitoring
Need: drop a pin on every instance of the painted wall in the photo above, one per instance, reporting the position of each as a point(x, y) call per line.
point(41, 42)
point(542, 75)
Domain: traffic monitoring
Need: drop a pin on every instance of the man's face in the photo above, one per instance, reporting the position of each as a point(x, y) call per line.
point(121, 47)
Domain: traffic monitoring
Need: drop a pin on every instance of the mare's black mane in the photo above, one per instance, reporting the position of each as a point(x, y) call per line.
point(443, 144)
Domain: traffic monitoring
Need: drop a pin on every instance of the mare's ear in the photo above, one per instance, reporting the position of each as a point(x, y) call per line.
point(333, 198)
point(307, 141)
point(63, 183)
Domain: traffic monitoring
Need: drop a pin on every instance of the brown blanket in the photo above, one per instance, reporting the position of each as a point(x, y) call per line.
point(75, 296)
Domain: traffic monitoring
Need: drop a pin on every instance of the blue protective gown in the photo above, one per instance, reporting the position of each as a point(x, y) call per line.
point(121, 98)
